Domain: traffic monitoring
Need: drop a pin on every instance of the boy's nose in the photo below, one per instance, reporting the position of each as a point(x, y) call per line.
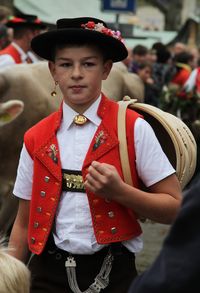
point(77, 72)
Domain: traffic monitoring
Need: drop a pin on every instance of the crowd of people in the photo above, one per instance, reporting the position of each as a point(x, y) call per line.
point(69, 163)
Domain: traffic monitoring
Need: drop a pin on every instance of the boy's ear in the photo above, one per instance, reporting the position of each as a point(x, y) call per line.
point(107, 68)
point(52, 68)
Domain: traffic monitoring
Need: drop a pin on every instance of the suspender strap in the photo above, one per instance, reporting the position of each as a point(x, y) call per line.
point(123, 150)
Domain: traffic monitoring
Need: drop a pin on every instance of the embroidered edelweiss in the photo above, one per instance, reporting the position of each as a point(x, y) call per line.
point(100, 138)
point(99, 27)
point(52, 152)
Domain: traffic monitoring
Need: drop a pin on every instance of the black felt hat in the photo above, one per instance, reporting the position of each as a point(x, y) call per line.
point(25, 20)
point(80, 30)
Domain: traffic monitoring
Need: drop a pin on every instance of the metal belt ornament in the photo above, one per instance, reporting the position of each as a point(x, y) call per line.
point(72, 181)
point(100, 282)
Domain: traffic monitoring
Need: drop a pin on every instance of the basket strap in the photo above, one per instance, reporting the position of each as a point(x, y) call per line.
point(121, 128)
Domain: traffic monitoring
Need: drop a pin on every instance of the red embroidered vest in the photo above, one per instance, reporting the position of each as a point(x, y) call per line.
point(112, 222)
point(12, 51)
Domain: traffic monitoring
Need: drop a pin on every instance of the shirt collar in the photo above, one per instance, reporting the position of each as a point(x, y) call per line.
point(90, 113)
point(21, 52)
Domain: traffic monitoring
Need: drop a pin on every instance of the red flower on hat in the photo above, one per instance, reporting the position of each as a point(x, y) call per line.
point(90, 24)
point(99, 27)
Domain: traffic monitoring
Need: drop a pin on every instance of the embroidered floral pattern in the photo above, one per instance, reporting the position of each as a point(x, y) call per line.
point(99, 27)
point(52, 152)
point(100, 138)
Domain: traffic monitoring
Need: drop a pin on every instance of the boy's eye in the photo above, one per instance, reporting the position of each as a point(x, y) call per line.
point(65, 64)
point(88, 64)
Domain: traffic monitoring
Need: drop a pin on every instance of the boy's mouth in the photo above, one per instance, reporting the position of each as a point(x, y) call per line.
point(77, 88)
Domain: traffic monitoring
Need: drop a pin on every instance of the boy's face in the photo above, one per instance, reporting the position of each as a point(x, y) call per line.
point(79, 72)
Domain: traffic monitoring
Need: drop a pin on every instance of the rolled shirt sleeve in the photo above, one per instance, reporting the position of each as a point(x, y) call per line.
point(24, 180)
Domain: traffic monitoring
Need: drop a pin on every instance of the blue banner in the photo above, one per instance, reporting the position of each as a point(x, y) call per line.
point(118, 5)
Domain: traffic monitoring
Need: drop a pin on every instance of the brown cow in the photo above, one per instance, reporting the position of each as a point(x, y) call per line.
point(32, 84)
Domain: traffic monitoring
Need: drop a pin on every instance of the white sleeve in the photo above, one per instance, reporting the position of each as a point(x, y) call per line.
point(6, 60)
point(191, 81)
point(151, 162)
point(23, 183)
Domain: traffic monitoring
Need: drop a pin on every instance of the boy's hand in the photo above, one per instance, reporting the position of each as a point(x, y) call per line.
point(103, 180)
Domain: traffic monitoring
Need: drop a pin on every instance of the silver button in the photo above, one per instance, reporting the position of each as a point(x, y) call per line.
point(113, 230)
point(32, 240)
point(36, 224)
point(111, 214)
point(42, 193)
point(39, 209)
point(46, 179)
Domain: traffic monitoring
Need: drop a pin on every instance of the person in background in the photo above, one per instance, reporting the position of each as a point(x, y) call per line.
point(25, 27)
point(194, 51)
point(162, 69)
point(144, 71)
point(15, 277)
point(177, 267)
point(178, 48)
point(183, 67)
point(76, 214)
point(6, 34)
point(5, 12)
point(139, 55)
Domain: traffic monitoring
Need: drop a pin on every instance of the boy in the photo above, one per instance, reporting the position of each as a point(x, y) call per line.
point(82, 216)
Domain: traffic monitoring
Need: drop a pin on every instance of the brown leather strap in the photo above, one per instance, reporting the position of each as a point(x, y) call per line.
point(121, 128)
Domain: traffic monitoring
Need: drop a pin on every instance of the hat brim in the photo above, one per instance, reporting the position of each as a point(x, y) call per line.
point(26, 24)
point(44, 44)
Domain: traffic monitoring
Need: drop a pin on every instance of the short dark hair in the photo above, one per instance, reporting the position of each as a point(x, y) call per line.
point(183, 57)
point(140, 50)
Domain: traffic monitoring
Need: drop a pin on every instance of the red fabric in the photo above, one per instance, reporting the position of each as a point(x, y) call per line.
point(12, 51)
point(181, 76)
point(38, 140)
point(197, 83)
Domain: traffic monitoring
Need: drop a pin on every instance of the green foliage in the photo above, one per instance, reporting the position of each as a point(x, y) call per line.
point(185, 105)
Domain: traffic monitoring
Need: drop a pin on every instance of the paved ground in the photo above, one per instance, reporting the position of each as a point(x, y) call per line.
point(153, 235)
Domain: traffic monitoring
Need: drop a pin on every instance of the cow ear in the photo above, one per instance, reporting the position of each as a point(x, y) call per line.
point(10, 110)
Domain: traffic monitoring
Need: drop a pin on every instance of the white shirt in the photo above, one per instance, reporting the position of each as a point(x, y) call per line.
point(191, 81)
point(7, 60)
point(73, 230)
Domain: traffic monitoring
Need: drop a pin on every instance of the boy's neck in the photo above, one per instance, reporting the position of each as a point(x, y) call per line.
point(82, 108)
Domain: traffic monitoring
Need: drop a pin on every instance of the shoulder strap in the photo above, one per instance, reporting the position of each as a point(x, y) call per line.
point(121, 128)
